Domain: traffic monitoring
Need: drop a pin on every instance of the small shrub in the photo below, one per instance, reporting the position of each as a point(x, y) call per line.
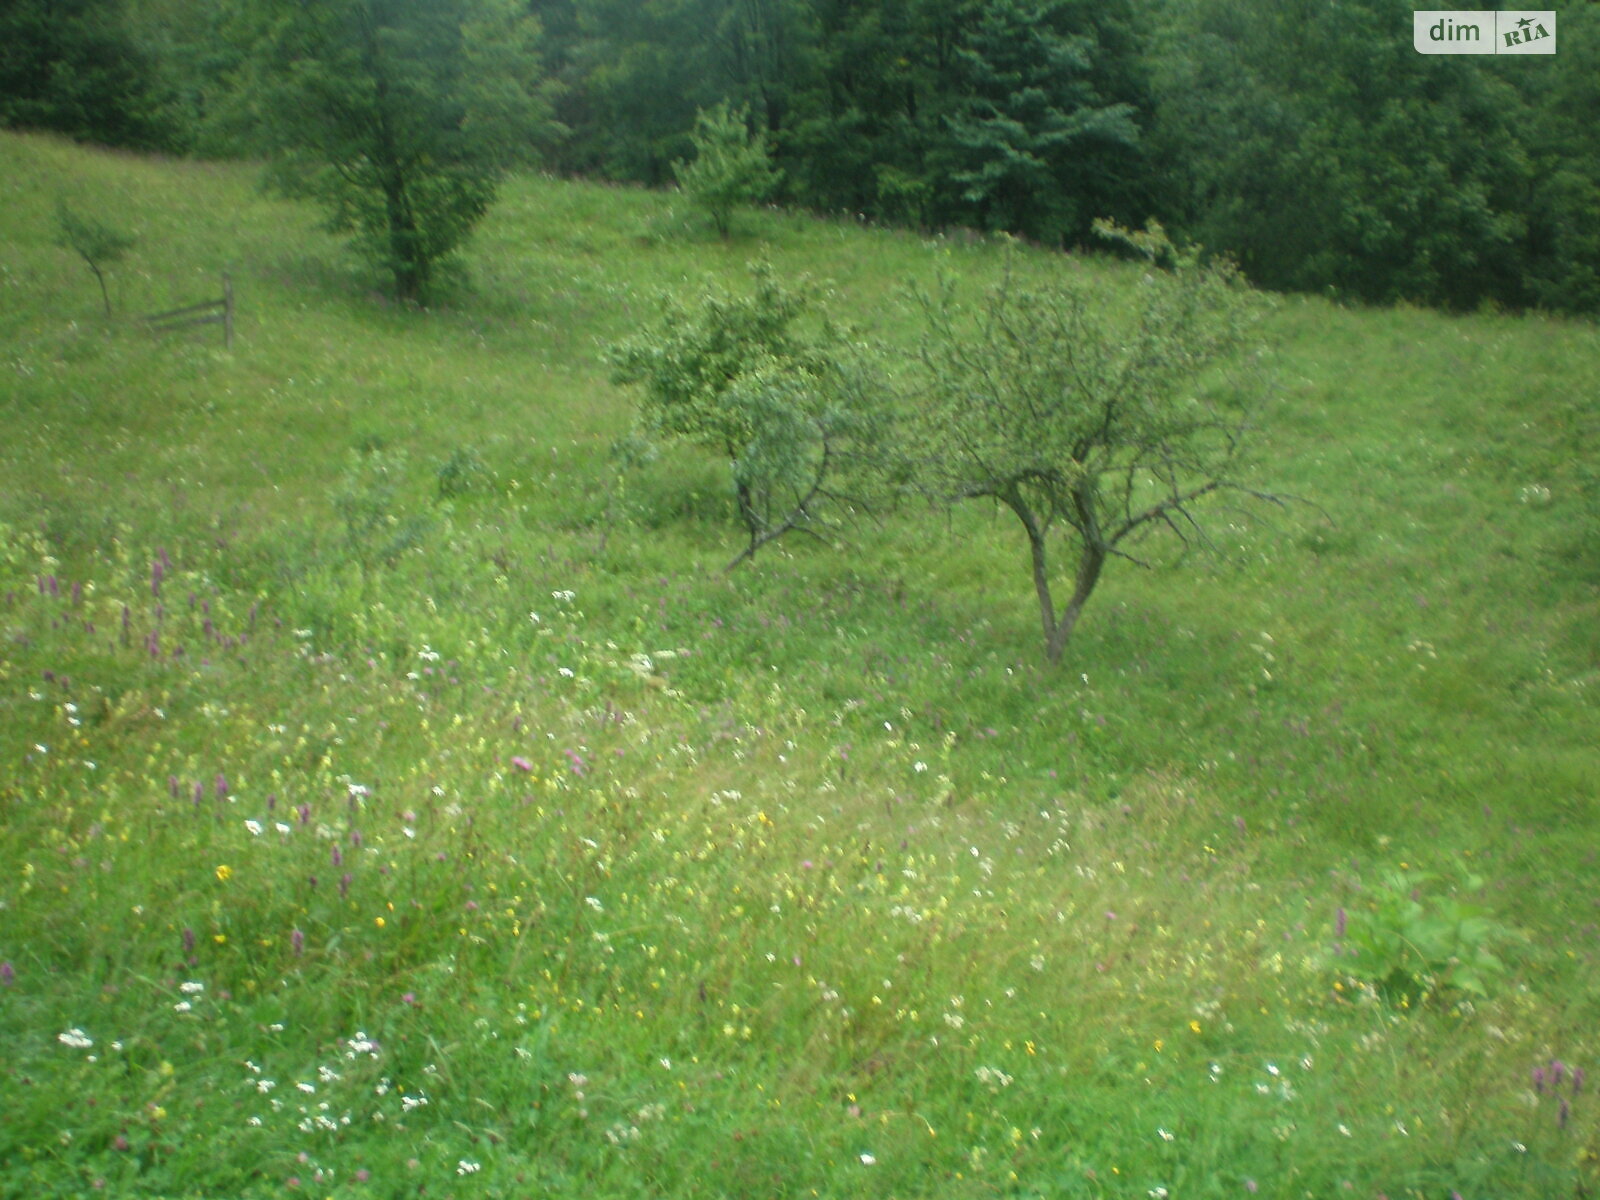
point(800, 413)
point(463, 472)
point(1409, 945)
point(731, 166)
point(98, 244)
point(367, 498)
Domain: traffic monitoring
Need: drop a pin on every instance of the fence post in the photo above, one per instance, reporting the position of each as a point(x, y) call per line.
point(227, 310)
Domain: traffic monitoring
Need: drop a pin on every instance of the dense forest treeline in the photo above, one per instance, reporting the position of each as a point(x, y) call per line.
point(1306, 139)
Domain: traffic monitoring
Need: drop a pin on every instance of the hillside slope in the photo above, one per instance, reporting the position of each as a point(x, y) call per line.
point(366, 738)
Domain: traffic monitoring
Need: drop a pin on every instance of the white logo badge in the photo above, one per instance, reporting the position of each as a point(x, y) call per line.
point(1478, 31)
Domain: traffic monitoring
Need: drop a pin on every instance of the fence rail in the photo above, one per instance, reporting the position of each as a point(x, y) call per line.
point(206, 312)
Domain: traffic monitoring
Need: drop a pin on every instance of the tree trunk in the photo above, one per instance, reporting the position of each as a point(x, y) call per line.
point(406, 261)
point(1057, 630)
point(101, 280)
point(1041, 580)
point(1039, 551)
point(1095, 549)
point(1089, 568)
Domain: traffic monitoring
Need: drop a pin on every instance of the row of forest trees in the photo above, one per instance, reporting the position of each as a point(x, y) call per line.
point(1308, 140)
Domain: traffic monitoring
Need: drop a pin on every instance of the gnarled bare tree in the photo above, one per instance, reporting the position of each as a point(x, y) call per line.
point(1091, 414)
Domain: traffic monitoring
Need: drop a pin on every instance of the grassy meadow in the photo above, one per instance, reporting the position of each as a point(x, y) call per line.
point(396, 802)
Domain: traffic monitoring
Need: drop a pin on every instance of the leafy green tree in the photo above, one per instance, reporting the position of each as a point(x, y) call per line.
point(796, 408)
point(1318, 148)
point(1035, 141)
point(640, 72)
point(400, 117)
point(1089, 423)
point(731, 165)
point(76, 66)
point(1021, 115)
point(1561, 259)
point(98, 244)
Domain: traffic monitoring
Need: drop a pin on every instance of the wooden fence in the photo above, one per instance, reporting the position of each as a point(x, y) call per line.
point(207, 312)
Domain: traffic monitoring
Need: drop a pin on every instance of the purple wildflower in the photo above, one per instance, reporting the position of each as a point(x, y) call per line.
point(521, 763)
point(297, 941)
point(1341, 922)
point(188, 941)
point(8, 974)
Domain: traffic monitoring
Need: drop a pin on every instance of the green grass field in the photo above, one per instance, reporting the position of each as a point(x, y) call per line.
point(395, 803)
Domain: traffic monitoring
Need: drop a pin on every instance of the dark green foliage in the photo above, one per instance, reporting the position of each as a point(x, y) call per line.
point(1318, 147)
point(1039, 152)
point(400, 117)
point(76, 67)
point(1560, 256)
point(642, 71)
point(1308, 141)
point(1017, 116)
